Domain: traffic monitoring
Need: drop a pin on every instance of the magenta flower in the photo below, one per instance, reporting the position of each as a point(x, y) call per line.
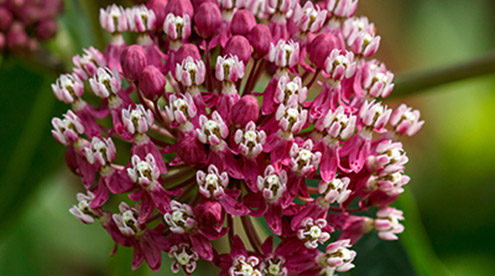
point(387, 223)
point(225, 111)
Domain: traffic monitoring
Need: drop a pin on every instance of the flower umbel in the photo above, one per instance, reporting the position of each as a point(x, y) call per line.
point(194, 137)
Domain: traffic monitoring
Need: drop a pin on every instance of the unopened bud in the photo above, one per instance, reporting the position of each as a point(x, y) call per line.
point(260, 38)
point(133, 61)
point(321, 47)
point(179, 8)
point(208, 20)
point(239, 46)
point(190, 150)
point(152, 82)
point(187, 50)
point(245, 110)
point(242, 22)
point(208, 212)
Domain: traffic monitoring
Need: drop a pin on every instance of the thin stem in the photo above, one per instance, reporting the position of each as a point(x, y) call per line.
point(172, 179)
point(313, 79)
point(154, 217)
point(252, 84)
point(163, 131)
point(230, 224)
point(251, 76)
point(313, 190)
point(251, 233)
point(209, 77)
point(176, 86)
point(410, 83)
point(163, 117)
point(186, 183)
point(185, 193)
point(305, 75)
point(159, 142)
point(343, 210)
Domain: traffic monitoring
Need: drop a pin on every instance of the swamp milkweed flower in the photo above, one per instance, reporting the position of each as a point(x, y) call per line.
point(235, 110)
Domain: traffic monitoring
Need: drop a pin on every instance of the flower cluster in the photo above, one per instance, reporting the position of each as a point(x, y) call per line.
point(234, 110)
point(23, 23)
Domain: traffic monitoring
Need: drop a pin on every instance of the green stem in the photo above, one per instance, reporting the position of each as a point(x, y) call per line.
point(413, 82)
point(251, 233)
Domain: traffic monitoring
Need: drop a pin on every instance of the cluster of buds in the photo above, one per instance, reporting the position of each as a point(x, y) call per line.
point(180, 131)
point(26, 22)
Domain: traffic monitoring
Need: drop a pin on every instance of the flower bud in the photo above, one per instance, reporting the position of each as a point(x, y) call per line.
point(5, 19)
point(245, 110)
point(190, 150)
point(260, 38)
point(208, 212)
point(133, 61)
point(187, 50)
point(242, 22)
point(239, 46)
point(152, 82)
point(179, 8)
point(208, 20)
point(46, 29)
point(321, 47)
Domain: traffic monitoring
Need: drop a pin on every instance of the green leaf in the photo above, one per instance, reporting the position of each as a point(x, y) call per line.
point(416, 241)
point(379, 257)
point(28, 151)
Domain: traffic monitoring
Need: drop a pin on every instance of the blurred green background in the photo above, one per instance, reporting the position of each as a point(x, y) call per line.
point(450, 215)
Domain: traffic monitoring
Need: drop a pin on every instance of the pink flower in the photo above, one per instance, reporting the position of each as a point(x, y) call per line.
point(145, 173)
point(213, 184)
point(342, 8)
point(184, 256)
point(218, 119)
point(313, 232)
point(339, 257)
point(387, 223)
point(105, 82)
point(140, 19)
point(309, 18)
point(68, 88)
point(68, 130)
point(250, 141)
point(303, 160)
point(177, 27)
point(405, 120)
point(83, 211)
point(87, 64)
point(284, 54)
point(335, 190)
